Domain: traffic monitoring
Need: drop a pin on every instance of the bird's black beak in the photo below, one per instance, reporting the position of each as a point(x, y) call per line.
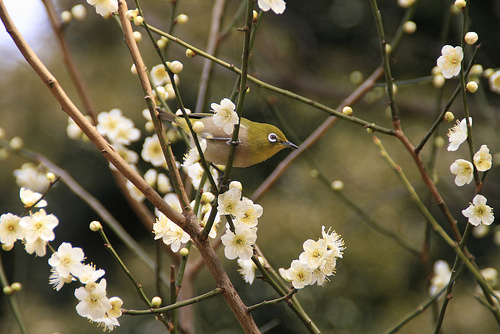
point(290, 144)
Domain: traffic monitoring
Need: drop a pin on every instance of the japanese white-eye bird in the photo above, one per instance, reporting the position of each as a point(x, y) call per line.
point(257, 141)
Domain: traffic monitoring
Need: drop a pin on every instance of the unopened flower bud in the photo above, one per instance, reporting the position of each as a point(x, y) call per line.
point(2, 133)
point(236, 184)
point(79, 12)
point(337, 185)
point(439, 141)
point(156, 301)
point(7, 247)
point(137, 36)
point(184, 251)
point(176, 66)
point(436, 70)
point(356, 77)
point(409, 27)
point(162, 42)
point(489, 274)
point(16, 286)
point(149, 126)
point(347, 111)
point(405, 3)
point(198, 126)
point(448, 117)
point(314, 173)
point(438, 81)
point(66, 17)
point(207, 197)
point(488, 72)
point(471, 37)
point(16, 143)
point(190, 53)
point(131, 14)
point(388, 48)
point(95, 226)
point(181, 19)
point(255, 16)
point(138, 20)
point(51, 177)
point(370, 130)
point(460, 4)
point(7, 290)
point(90, 286)
point(480, 231)
point(476, 70)
point(471, 86)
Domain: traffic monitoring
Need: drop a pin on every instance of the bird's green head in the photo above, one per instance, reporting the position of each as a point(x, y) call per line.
point(266, 140)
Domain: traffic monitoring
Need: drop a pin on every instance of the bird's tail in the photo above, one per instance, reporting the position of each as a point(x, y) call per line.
point(165, 115)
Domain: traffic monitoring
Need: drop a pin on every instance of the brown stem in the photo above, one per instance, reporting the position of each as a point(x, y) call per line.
point(76, 78)
point(427, 179)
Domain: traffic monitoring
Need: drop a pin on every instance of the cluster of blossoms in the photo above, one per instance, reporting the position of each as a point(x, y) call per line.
point(170, 233)
point(477, 212)
point(316, 262)
point(244, 215)
point(449, 65)
point(36, 230)
point(162, 82)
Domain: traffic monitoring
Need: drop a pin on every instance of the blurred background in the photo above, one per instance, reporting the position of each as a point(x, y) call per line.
point(312, 50)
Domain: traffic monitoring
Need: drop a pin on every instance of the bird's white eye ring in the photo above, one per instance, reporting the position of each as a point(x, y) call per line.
point(272, 137)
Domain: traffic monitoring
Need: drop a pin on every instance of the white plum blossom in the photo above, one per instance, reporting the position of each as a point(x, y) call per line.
point(29, 198)
point(135, 192)
point(131, 157)
point(478, 212)
point(38, 229)
point(57, 281)
point(195, 173)
point(450, 61)
point(247, 270)
point(277, 6)
point(315, 253)
point(247, 212)
point(152, 152)
point(225, 116)
point(93, 301)
point(105, 8)
point(67, 260)
point(159, 75)
point(118, 128)
point(494, 81)
point(193, 156)
point(334, 241)
point(240, 243)
point(464, 170)
point(229, 203)
point(441, 278)
point(482, 159)
point(10, 230)
point(299, 274)
point(458, 134)
point(31, 177)
point(167, 230)
point(89, 273)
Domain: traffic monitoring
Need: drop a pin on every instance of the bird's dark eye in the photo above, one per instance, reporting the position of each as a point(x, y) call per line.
point(272, 137)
